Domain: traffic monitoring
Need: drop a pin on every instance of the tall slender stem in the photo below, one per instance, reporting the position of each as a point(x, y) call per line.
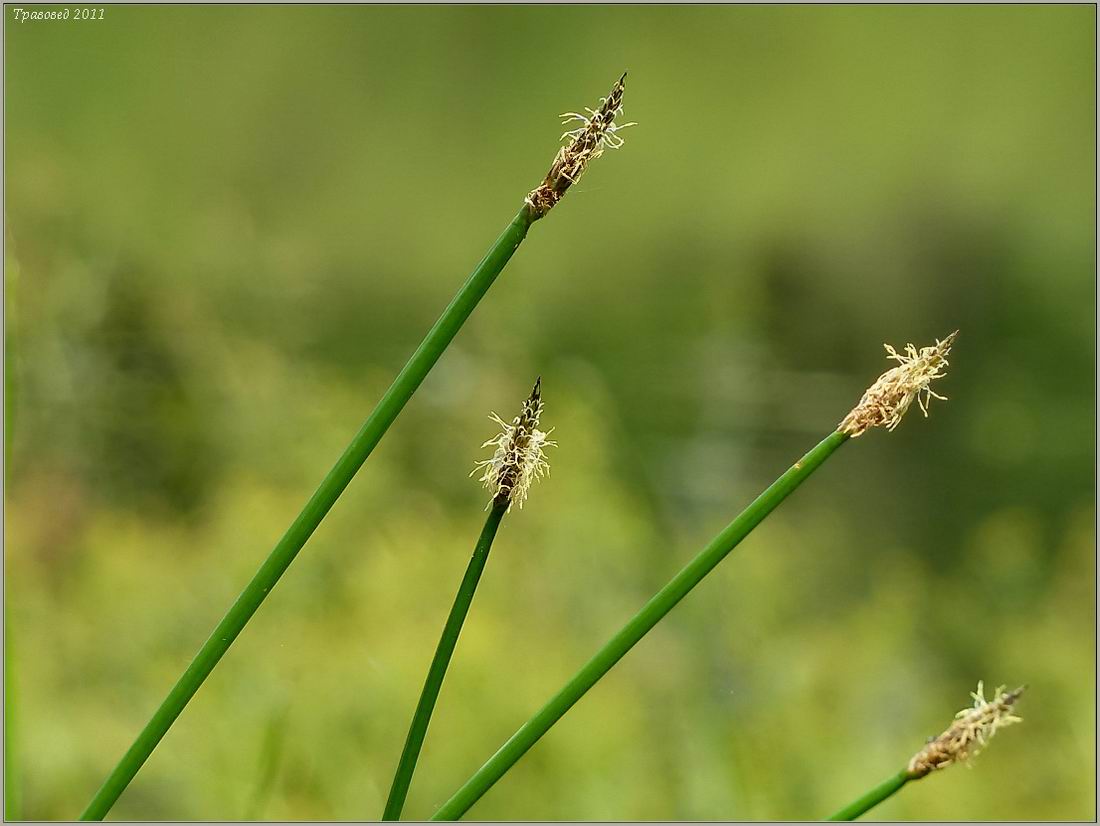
point(402, 389)
point(878, 794)
point(438, 669)
point(635, 629)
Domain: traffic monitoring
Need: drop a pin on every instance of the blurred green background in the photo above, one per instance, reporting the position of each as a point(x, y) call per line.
point(228, 227)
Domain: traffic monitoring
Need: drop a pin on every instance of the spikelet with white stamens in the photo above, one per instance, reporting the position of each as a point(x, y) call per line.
point(596, 132)
point(969, 734)
point(885, 402)
point(518, 460)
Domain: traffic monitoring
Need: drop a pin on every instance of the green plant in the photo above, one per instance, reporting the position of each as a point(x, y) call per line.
point(586, 143)
point(964, 738)
point(884, 404)
point(516, 463)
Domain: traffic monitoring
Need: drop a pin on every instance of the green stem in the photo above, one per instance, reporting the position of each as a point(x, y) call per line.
point(438, 669)
point(878, 794)
point(402, 389)
point(635, 629)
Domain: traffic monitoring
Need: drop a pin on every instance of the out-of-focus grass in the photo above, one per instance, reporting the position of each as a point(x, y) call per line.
point(206, 208)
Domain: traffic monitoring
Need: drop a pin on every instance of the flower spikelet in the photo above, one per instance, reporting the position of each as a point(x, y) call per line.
point(969, 734)
point(885, 402)
point(518, 460)
point(597, 131)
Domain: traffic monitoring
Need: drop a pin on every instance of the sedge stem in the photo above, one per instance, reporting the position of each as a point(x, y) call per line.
point(878, 794)
point(399, 393)
point(438, 669)
point(653, 611)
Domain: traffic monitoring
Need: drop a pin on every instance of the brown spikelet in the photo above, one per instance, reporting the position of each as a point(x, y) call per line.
point(518, 460)
point(971, 731)
point(885, 402)
point(586, 143)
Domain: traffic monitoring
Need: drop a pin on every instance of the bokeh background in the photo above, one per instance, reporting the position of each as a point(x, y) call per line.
point(228, 227)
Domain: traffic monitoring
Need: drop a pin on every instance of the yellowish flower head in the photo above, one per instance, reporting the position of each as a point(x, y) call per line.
point(970, 733)
point(885, 402)
point(518, 459)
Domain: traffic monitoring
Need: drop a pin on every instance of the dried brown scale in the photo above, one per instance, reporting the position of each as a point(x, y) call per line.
point(971, 731)
point(586, 144)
